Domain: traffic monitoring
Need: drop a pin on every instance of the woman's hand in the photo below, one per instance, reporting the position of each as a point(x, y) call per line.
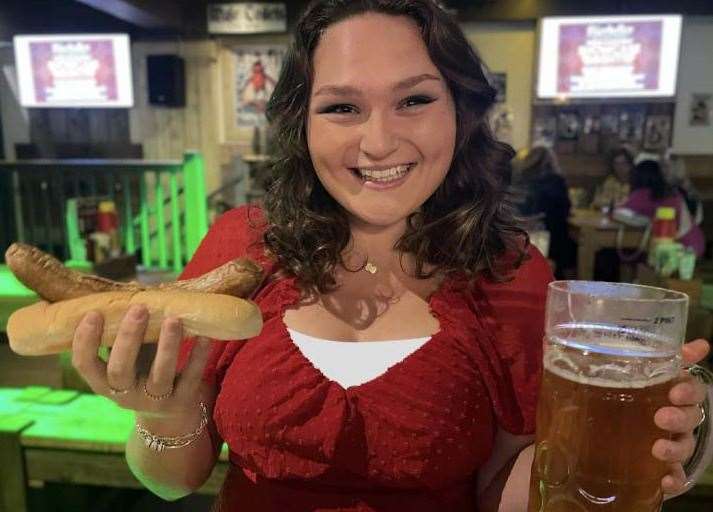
point(148, 385)
point(681, 419)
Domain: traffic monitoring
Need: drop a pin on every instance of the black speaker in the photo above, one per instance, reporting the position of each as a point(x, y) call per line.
point(167, 80)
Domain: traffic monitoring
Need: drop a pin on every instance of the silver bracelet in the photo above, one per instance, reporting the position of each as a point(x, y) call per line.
point(161, 443)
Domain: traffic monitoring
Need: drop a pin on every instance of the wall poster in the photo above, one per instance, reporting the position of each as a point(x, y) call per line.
point(256, 72)
point(657, 135)
point(701, 108)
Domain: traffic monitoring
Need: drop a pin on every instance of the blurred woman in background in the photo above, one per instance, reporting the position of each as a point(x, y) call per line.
point(541, 195)
point(615, 187)
point(675, 173)
point(650, 190)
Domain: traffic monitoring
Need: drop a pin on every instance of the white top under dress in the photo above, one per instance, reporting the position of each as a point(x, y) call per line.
point(354, 363)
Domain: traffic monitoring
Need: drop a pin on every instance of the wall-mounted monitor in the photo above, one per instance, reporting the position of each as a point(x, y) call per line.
point(74, 70)
point(608, 56)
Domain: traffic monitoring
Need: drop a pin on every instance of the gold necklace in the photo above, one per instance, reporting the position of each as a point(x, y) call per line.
point(370, 267)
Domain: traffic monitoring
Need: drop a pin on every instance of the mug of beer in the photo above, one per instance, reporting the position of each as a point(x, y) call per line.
point(612, 351)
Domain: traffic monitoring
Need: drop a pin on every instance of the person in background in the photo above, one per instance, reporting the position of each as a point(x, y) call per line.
point(540, 192)
point(674, 168)
point(615, 187)
point(650, 190)
point(401, 350)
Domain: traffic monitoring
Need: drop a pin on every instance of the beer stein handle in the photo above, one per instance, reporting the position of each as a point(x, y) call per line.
point(703, 452)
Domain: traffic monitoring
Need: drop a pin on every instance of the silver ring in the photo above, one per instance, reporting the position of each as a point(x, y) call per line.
point(703, 416)
point(156, 398)
point(114, 391)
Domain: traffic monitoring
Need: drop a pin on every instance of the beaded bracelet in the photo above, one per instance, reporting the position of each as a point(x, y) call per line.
point(161, 443)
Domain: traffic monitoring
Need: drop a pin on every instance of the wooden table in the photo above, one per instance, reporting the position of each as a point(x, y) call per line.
point(593, 231)
point(69, 437)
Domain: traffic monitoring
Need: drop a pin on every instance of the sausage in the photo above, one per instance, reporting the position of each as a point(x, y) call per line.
point(54, 282)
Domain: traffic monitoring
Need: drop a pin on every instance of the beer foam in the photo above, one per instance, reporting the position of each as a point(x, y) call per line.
point(574, 376)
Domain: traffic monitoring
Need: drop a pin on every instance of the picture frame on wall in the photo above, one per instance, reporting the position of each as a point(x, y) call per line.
point(246, 18)
point(701, 109)
point(657, 136)
point(631, 126)
point(256, 72)
point(544, 131)
point(568, 125)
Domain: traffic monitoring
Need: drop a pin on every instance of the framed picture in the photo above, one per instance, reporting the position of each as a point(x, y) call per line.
point(631, 126)
point(544, 131)
point(700, 113)
point(256, 71)
point(657, 135)
point(246, 17)
point(568, 125)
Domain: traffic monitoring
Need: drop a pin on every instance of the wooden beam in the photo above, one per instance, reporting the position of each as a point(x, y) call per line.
point(148, 14)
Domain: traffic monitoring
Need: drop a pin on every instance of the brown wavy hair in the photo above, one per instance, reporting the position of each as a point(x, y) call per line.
point(465, 226)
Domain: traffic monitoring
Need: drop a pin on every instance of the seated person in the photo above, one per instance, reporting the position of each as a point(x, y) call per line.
point(650, 190)
point(675, 173)
point(615, 187)
point(541, 192)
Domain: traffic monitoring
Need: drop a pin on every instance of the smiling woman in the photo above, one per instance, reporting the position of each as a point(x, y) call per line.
point(380, 121)
point(381, 127)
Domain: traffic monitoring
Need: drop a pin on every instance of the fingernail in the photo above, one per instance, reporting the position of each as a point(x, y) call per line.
point(138, 312)
point(92, 318)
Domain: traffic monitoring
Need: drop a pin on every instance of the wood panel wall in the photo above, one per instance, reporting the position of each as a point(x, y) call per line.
point(167, 132)
point(206, 122)
point(77, 133)
point(79, 125)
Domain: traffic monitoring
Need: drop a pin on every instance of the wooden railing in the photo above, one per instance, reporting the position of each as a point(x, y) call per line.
point(161, 203)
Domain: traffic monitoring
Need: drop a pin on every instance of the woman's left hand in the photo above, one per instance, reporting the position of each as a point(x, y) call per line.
point(681, 420)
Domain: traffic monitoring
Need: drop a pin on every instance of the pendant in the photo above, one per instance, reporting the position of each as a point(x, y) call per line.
point(370, 267)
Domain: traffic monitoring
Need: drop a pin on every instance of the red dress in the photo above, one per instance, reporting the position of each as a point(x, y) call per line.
point(411, 439)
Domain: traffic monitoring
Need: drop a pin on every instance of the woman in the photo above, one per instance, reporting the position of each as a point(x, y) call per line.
point(541, 191)
point(674, 167)
point(615, 187)
point(385, 227)
point(650, 190)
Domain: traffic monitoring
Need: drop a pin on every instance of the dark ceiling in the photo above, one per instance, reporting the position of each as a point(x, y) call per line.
point(156, 18)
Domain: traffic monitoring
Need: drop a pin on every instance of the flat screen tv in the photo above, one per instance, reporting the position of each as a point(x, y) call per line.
point(608, 56)
point(74, 70)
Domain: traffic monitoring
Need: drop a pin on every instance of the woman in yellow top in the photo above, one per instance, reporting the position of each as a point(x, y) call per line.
point(615, 187)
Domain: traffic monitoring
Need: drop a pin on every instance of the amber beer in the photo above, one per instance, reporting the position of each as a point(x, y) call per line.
point(595, 428)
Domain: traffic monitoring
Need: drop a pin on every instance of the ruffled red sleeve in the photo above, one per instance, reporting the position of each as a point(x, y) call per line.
point(235, 234)
point(515, 317)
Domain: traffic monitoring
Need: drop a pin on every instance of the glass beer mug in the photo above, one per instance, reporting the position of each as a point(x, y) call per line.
point(611, 354)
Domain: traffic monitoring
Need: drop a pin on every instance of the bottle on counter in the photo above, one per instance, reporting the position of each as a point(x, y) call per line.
point(108, 223)
point(687, 264)
point(664, 251)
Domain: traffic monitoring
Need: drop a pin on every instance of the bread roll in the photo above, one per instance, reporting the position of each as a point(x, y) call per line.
point(48, 328)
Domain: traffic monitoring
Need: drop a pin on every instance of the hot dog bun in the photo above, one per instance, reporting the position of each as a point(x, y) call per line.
point(48, 328)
